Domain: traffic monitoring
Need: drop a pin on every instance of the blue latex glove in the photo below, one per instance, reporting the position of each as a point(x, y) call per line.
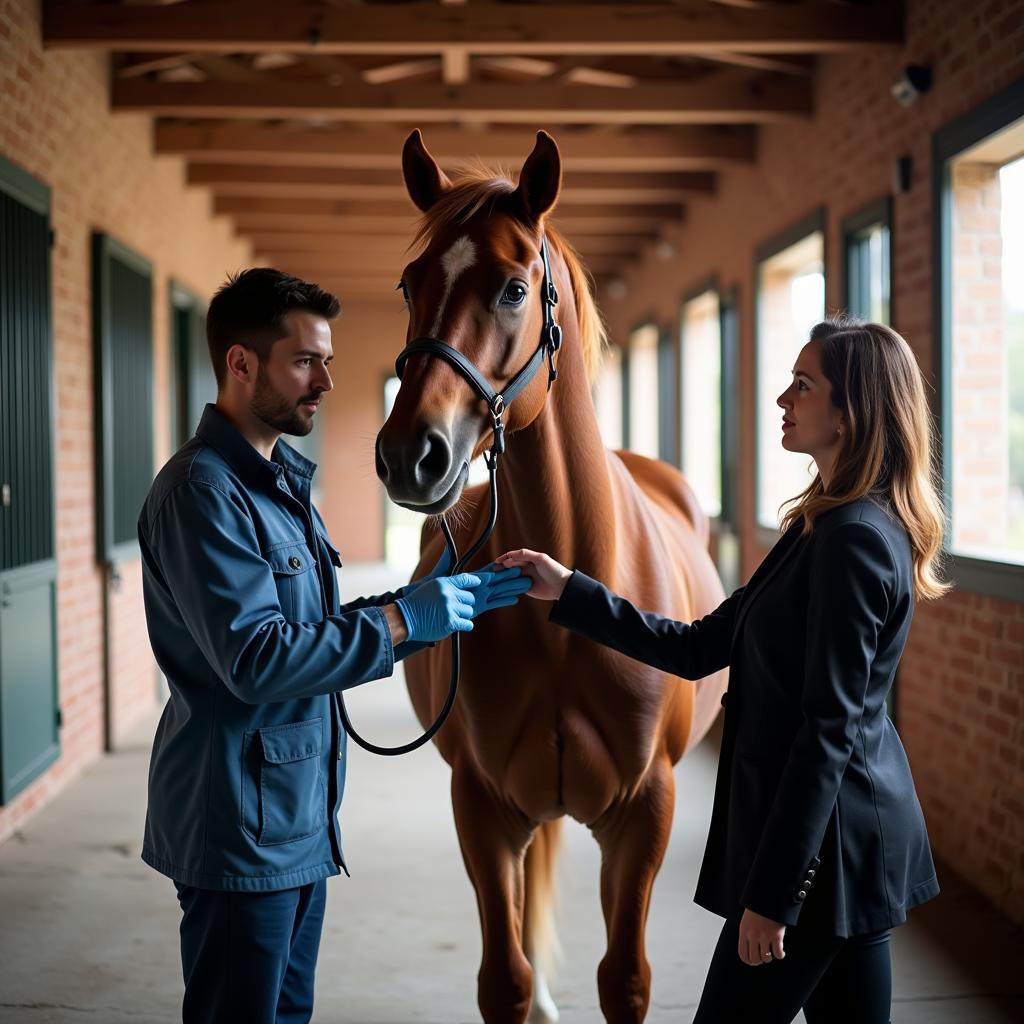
point(439, 607)
point(498, 588)
point(441, 568)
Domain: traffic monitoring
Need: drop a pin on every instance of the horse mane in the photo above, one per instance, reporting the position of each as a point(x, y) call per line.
point(477, 186)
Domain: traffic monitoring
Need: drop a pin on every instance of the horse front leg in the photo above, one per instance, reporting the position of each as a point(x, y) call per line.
point(493, 837)
point(633, 837)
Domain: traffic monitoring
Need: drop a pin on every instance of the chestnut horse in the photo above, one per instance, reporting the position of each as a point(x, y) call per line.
point(547, 723)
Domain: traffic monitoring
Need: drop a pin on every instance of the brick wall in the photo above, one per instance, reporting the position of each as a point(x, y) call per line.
point(963, 674)
point(55, 124)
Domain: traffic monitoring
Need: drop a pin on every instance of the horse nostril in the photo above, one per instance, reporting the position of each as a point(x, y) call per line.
point(383, 472)
point(433, 464)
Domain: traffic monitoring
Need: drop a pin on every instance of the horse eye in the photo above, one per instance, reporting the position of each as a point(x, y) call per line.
point(514, 294)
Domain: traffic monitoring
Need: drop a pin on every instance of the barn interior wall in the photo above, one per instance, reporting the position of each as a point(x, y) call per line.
point(366, 337)
point(56, 125)
point(961, 685)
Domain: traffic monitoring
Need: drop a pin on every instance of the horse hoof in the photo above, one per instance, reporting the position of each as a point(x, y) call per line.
point(543, 1009)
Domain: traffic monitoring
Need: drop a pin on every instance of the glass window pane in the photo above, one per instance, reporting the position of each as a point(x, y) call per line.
point(790, 301)
point(608, 397)
point(702, 400)
point(643, 391)
point(986, 372)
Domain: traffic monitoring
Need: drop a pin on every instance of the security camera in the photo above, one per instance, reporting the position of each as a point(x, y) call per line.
point(913, 83)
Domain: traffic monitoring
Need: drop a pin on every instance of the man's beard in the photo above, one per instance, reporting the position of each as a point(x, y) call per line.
point(278, 412)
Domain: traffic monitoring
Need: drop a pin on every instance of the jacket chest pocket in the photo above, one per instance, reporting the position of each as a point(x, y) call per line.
point(284, 796)
point(297, 582)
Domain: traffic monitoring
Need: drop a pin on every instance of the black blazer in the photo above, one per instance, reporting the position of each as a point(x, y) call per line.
point(815, 817)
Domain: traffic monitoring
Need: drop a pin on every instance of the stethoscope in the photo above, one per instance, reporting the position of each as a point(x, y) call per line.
point(497, 404)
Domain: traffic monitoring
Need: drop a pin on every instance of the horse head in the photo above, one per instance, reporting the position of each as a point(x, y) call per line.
point(475, 285)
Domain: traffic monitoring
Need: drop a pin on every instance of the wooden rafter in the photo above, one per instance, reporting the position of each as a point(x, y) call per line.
point(725, 98)
point(407, 214)
point(341, 183)
point(573, 226)
point(290, 243)
point(681, 148)
point(692, 26)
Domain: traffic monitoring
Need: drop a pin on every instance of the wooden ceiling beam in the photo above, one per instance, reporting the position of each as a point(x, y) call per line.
point(292, 242)
point(338, 183)
point(320, 264)
point(725, 98)
point(680, 148)
point(573, 227)
point(689, 27)
point(409, 215)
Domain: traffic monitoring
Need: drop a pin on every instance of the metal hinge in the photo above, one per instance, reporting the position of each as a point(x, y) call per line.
point(60, 717)
point(52, 237)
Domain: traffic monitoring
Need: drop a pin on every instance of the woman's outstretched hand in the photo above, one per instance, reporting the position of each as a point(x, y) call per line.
point(549, 577)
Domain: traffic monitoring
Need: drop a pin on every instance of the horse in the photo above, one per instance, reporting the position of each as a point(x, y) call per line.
point(546, 724)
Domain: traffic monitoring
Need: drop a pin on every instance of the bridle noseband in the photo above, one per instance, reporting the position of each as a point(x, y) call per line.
point(497, 403)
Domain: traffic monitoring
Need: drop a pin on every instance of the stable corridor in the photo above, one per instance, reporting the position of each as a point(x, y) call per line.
point(89, 932)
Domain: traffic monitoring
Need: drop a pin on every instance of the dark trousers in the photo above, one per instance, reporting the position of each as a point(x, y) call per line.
point(250, 956)
point(834, 981)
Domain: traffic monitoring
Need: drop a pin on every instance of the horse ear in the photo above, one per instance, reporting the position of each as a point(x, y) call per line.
point(423, 178)
point(540, 180)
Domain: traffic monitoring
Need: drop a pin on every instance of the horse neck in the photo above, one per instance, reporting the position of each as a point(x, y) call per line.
point(556, 491)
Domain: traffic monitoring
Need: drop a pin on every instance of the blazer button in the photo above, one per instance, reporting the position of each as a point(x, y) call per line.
point(807, 883)
point(810, 872)
point(294, 562)
point(802, 895)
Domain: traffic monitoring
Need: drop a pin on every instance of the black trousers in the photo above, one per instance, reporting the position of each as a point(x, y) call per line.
point(833, 980)
point(250, 957)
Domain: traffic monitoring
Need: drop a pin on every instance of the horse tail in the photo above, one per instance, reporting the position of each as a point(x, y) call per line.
point(540, 938)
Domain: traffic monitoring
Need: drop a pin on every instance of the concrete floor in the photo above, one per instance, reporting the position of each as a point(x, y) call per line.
point(89, 933)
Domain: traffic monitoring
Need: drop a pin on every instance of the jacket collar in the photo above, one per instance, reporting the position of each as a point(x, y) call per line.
point(220, 433)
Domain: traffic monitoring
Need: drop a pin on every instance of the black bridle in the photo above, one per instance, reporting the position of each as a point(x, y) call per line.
point(497, 403)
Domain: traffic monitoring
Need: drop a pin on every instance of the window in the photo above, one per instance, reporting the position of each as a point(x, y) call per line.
point(642, 412)
point(701, 372)
point(608, 397)
point(123, 379)
point(193, 382)
point(979, 197)
point(790, 281)
point(867, 247)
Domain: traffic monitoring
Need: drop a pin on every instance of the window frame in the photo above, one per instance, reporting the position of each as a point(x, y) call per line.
point(992, 577)
point(811, 223)
point(708, 284)
point(877, 212)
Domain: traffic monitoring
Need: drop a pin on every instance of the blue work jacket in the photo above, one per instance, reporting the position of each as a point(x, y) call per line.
point(248, 764)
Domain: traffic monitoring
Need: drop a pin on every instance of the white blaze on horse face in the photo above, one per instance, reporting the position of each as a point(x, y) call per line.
point(461, 256)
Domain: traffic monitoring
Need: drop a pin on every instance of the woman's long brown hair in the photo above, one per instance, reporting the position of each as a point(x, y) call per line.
point(887, 450)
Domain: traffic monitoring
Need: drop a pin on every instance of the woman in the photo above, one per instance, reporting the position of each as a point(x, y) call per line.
point(817, 845)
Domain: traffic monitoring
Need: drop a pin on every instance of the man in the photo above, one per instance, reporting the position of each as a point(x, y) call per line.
point(249, 758)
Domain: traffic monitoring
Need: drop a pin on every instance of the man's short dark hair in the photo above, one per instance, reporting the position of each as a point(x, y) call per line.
point(249, 309)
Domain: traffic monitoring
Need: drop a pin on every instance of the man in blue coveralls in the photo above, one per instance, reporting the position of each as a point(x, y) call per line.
point(248, 763)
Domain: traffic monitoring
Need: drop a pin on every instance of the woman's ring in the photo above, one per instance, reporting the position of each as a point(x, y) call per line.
point(767, 956)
